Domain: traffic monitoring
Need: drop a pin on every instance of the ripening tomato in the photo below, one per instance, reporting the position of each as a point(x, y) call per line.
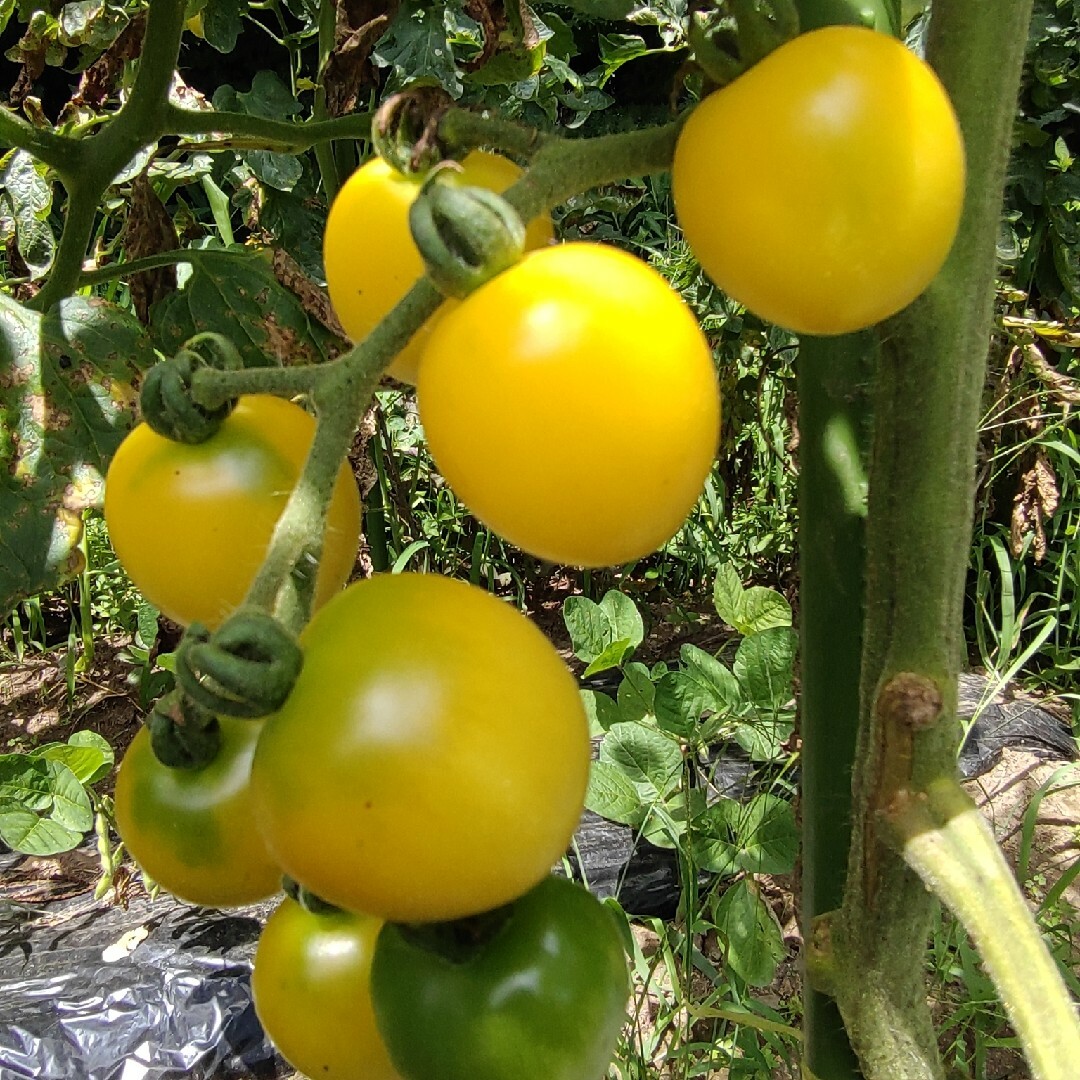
point(368, 251)
point(572, 404)
point(311, 983)
point(431, 760)
point(823, 188)
point(191, 524)
point(193, 830)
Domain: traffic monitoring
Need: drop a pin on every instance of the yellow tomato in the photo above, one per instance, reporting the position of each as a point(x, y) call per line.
point(572, 405)
point(368, 251)
point(823, 188)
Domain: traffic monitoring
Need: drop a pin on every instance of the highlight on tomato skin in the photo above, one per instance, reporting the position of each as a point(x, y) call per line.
point(823, 188)
point(572, 405)
point(311, 986)
point(371, 214)
point(432, 758)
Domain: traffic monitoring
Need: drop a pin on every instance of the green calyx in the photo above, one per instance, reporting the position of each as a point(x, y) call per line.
point(166, 403)
point(306, 898)
point(730, 39)
point(183, 735)
point(246, 668)
point(405, 129)
point(466, 235)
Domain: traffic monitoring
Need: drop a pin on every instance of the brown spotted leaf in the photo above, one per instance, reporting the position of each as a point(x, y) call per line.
point(67, 399)
point(149, 230)
point(235, 293)
point(1033, 504)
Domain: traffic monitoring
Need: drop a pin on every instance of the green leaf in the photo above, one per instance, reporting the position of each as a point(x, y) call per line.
point(31, 200)
point(418, 50)
point(763, 666)
point(763, 737)
point(601, 710)
point(751, 934)
point(611, 657)
point(67, 400)
point(70, 803)
point(703, 685)
point(666, 824)
point(236, 294)
point(651, 760)
point(637, 693)
point(608, 10)
point(222, 23)
point(748, 610)
point(33, 835)
point(595, 628)
point(611, 795)
point(759, 837)
point(25, 783)
point(86, 754)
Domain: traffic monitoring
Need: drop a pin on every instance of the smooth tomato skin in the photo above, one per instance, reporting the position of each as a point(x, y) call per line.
point(191, 524)
point(311, 983)
point(193, 830)
point(823, 188)
point(431, 760)
point(543, 998)
point(572, 404)
point(369, 254)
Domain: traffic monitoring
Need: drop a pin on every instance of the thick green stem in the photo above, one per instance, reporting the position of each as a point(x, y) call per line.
point(324, 151)
point(948, 843)
point(259, 133)
point(918, 534)
point(341, 392)
point(57, 151)
point(834, 378)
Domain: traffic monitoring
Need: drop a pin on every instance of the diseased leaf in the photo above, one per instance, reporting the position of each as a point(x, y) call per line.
point(236, 294)
point(417, 49)
point(67, 399)
point(31, 200)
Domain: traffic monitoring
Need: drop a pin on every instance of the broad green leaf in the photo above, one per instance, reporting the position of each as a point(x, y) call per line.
point(89, 761)
point(637, 692)
point(70, 803)
point(595, 628)
point(236, 294)
point(32, 835)
point(759, 837)
point(763, 666)
point(748, 610)
point(601, 710)
point(763, 736)
point(222, 23)
point(611, 795)
point(702, 686)
point(651, 760)
point(666, 824)
point(67, 400)
point(25, 783)
point(611, 657)
point(751, 934)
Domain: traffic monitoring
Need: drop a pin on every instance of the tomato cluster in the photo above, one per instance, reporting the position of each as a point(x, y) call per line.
point(430, 762)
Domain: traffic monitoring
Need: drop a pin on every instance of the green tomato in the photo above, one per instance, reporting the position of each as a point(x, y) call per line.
point(534, 991)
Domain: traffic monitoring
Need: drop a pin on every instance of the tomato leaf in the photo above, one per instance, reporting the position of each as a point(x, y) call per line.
point(30, 196)
point(67, 400)
point(236, 294)
point(751, 933)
